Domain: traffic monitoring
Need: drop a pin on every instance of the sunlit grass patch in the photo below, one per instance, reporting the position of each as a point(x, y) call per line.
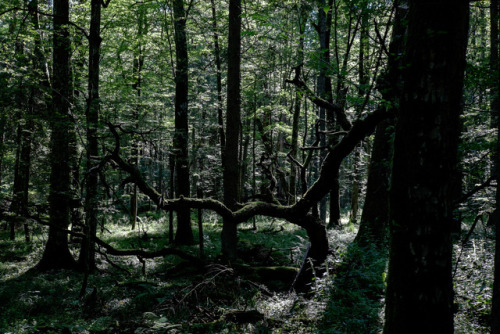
point(473, 280)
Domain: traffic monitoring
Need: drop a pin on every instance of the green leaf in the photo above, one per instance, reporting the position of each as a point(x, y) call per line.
point(326, 9)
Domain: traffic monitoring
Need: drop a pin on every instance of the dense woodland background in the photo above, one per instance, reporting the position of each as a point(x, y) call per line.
point(249, 166)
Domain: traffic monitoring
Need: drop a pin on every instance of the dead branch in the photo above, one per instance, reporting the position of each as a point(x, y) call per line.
point(474, 190)
point(114, 265)
point(147, 254)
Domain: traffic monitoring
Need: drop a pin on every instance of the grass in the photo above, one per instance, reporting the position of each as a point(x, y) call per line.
point(168, 295)
point(357, 292)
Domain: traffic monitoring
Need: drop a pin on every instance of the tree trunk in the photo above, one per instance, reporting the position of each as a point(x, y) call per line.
point(56, 254)
point(374, 219)
point(233, 121)
point(87, 252)
point(3, 124)
point(184, 233)
point(362, 91)
point(137, 65)
point(495, 111)
point(220, 118)
point(21, 166)
point(324, 88)
point(171, 195)
point(373, 225)
point(419, 297)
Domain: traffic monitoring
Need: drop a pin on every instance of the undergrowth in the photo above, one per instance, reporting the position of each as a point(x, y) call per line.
point(170, 295)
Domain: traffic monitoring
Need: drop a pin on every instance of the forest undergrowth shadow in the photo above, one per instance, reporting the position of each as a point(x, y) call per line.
point(356, 298)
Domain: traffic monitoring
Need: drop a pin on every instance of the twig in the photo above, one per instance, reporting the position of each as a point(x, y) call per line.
point(476, 189)
point(302, 267)
point(114, 265)
point(309, 148)
point(465, 240)
point(206, 282)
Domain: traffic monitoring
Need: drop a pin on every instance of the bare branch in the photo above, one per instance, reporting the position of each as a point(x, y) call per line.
point(476, 189)
point(338, 110)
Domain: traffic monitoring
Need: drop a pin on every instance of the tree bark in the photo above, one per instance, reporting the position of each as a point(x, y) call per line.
point(56, 254)
point(419, 297)
point(3, 124)
point(21, 166)
point(362, 91)
point(233, 121)
point(495, 111)
point(324, 90)
point(374, 218)
point(87, 252)
point(296, 112)
point(373, 224)
point(184, 233)
point(295, 129)
point(220, 118)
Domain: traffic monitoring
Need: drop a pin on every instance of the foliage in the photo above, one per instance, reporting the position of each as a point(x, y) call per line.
point(356, 297)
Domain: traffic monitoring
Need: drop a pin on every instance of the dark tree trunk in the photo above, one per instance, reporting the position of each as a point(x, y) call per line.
point(184, 233)
point(233, 121)
point(220, 118)
point(3, 123)
point(419, 297)
point(171, 195)
point(21, 166)
point(362, 91)
point(22, 169)
point(373, 224)
point(324, 88)
point(296, 112)
point(137, 65)
point(495, 110)
point(56, 254)
point(87, 253)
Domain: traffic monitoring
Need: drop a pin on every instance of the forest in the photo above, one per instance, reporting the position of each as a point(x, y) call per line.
point(249, 166)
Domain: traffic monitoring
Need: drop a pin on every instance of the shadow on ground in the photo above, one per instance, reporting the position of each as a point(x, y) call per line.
point(357, 297)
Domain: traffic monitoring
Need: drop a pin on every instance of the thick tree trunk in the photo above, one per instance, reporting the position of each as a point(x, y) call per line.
point(375, 214)
point(419, 297)
point(87, 253)
point(184, 233)
point(56, 254)
point(233, 121)
point(374, 219)
point(495, 111)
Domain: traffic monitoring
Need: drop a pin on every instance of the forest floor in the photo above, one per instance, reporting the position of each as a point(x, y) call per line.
point(170, 295)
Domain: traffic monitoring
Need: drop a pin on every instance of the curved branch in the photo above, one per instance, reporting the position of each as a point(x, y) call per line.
point(338, 110)
point(297, 214)
point(331, 164)
point(314, 194)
